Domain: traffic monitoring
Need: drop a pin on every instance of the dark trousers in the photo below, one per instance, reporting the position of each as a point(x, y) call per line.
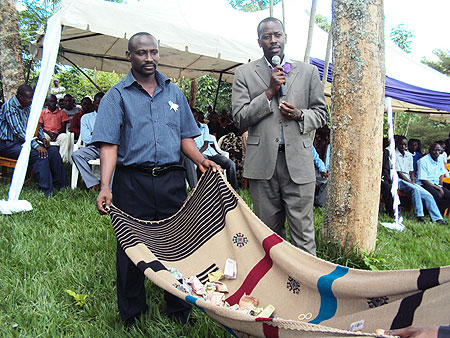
point(48, 171)
point(442, 201)
point(149, 198)
point(387, 197)
point(229, 166)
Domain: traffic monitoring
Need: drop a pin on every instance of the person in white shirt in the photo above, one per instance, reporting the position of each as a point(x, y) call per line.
point(406, 184)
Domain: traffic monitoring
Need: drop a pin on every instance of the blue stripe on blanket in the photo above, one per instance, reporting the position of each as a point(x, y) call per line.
point(328, 302)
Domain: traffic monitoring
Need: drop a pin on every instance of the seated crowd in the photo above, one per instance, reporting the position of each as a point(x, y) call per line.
point(420, 178)
point(62, 122)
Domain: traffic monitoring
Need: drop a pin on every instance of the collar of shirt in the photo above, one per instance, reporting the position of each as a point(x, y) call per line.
point(48, 111)
point(161, 79)
point(283, 62)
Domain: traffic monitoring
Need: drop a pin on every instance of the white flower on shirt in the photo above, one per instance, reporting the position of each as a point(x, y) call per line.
point(173, 106)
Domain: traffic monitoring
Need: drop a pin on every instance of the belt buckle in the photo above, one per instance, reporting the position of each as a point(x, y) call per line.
point(155, 171)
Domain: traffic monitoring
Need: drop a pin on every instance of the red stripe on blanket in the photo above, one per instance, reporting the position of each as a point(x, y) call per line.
point(270, 331)
point(258, 271)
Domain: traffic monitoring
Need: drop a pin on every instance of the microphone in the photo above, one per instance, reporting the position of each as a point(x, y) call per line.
point(276, 62)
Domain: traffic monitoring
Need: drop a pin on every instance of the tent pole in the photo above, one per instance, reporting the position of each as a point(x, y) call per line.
point(310, 30)
point(271, 8)
point(217, 91)
point(327, 60)
point(282, 9)
point(82, 72)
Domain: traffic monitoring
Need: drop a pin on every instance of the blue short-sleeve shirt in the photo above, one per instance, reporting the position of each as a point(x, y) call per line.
point(147, 129)
point(430, 170)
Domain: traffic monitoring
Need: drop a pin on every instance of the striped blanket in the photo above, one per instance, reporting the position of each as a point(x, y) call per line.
point(312, 297)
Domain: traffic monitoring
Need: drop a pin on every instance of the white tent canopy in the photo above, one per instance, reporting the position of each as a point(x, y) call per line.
point(200, 37)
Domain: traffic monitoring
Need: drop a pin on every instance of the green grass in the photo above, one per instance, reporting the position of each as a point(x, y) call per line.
point(63, 243)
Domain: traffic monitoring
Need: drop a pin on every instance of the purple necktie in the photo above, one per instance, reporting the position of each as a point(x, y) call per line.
point(286, 68)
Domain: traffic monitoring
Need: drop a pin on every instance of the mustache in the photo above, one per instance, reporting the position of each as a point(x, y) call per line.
point(275, 46)
point(149, 64)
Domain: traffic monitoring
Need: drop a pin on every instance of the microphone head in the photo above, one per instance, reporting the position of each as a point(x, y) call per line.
point(276, 60)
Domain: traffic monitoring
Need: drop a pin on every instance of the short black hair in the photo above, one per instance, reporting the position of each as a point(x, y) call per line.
point(24, 89)
point(99, 96)
point(53, 96)
point(69, 96)
point(270, 18)
point(433, 145)
point(130, 42)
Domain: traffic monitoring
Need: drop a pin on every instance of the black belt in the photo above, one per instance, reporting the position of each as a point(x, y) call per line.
point(281, 148)
point(156, 170)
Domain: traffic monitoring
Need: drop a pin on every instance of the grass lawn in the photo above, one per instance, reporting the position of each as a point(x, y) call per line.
point(64, 244)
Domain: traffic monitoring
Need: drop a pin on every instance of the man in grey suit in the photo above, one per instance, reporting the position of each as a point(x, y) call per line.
point(280, 105)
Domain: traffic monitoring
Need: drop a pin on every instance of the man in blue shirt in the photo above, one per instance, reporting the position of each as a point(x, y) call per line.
point(82, 156)
point(430, 173)
point(142, 126)
point(45, 160)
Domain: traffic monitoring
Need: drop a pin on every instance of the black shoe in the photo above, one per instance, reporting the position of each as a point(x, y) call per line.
point(441, 221)
point(420, 220)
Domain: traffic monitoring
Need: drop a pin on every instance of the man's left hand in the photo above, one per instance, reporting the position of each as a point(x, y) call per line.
point(289, 111)
point(46, 142)
point(206, 164)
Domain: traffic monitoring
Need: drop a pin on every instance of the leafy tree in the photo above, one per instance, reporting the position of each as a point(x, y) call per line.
point(251, 5)
point(79, 86)
point(322, 22)
point(443, 65)
point(402, 37)
point(206, 92)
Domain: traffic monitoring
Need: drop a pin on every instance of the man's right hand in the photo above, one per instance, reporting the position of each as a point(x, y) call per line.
point(277, 78)
point(46, 143)
point(42, 152)
point(104, 199)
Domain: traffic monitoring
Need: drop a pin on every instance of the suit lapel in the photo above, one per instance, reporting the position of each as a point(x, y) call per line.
point(291, 76)
point(263, 71)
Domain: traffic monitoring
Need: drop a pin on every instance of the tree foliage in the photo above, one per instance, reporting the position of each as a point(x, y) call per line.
point(206, 92)
point(79, 86)
point(251, 5)
point(402, 37)
point(322, 22)
point(443, 65)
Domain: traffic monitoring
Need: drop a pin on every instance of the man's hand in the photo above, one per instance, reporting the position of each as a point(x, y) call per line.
point(441, 191)
point(289, 111)
point(42, 152)
point(324, 175)
point(53, 137)
point(46, 143)
point(104, 199)
point(206, 164)
point(277, 78)
point(414, 332)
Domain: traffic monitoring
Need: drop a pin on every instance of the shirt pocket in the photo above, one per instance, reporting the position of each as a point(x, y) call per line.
point(253, 140)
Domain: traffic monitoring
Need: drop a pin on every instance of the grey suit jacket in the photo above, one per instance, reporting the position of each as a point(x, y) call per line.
point(264, 122)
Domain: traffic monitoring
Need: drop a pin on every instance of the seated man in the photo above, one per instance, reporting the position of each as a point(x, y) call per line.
point(406, 184)
point(54, 122)
point(430, 170)
point(82, 156)
point(321, 178)
point(413, 148)
point(45, 160)
point(203, 144)
point(86, 107)
point(69, 107)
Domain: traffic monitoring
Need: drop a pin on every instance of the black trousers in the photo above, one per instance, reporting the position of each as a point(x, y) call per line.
point(149, 198)
point(442, 201)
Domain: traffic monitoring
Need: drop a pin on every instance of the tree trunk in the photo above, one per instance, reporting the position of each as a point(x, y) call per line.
point(351, 214)
point(193, 95)
point(310, 31)
point(11, 63)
